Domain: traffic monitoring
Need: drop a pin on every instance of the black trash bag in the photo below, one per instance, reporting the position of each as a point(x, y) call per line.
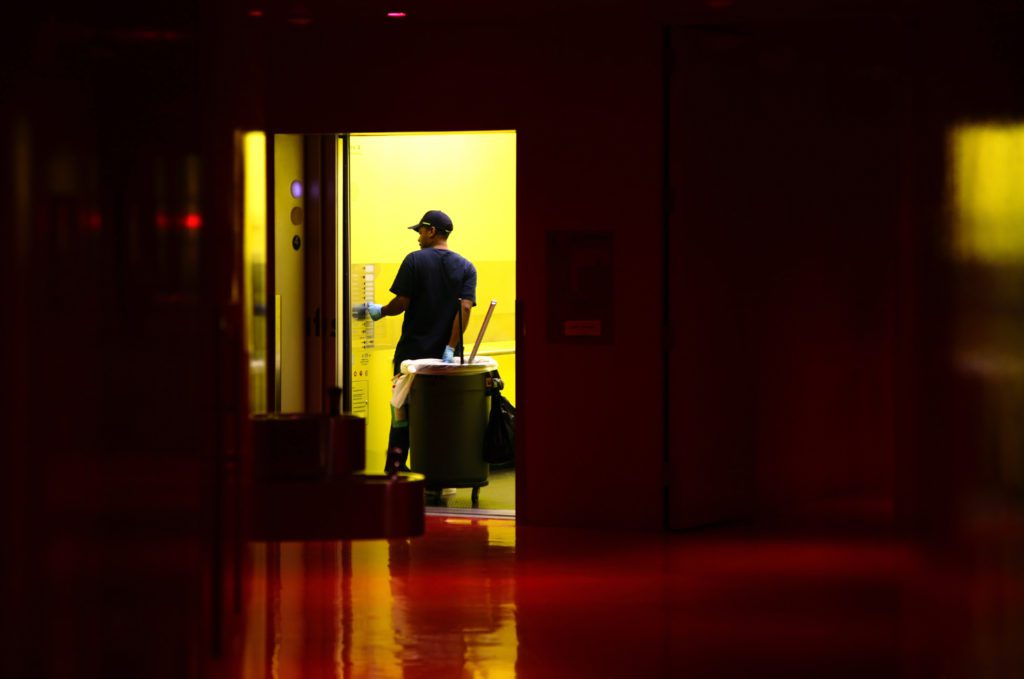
point(500, 435)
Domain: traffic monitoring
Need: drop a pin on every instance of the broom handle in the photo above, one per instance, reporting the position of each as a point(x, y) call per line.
point(483, 328)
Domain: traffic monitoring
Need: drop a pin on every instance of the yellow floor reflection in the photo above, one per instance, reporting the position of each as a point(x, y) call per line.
point(439, 605)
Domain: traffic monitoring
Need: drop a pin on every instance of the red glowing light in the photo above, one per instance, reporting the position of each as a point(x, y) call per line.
point(255, 12)
point(192, 221)
point(161, 220)
point(94, 221)
point(396, 15)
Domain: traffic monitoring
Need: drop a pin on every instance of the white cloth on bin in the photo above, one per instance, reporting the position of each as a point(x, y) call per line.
point(435, 366)
point(400, 386)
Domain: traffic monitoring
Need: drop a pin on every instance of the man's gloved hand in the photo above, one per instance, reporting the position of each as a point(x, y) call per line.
point(449, 355)
point(374, 310)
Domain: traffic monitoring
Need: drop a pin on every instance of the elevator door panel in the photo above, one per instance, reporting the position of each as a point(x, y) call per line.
point(289, 271)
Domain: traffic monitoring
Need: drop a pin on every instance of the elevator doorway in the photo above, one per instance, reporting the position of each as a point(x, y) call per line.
point(393, 179)
point(325, 230)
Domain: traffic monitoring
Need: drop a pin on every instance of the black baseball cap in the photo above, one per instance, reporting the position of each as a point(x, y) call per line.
point(436, 219)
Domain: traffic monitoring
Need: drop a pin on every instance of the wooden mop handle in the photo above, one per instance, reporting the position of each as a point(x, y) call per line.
point(483, 328)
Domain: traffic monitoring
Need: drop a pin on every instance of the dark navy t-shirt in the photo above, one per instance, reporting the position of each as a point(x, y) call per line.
point(433, 280)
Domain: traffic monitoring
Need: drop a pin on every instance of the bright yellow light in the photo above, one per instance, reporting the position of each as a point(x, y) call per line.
point(254, 261)
point(395, 178)
point(988, 192)
point(254, 150)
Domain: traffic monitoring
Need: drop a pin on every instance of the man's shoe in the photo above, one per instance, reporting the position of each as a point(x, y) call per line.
point(395, 462)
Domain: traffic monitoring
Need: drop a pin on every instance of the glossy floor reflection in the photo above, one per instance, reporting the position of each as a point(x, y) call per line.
point(481, 598)
point(499, 494)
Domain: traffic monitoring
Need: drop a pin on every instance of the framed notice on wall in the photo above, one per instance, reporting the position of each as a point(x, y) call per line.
point(579, 271)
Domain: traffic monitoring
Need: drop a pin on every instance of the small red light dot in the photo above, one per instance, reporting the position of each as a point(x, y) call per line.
point(255, 12)
point(396, 15)
point(192, 221)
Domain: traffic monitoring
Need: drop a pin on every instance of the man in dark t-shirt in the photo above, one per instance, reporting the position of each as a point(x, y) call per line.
point(429, 284)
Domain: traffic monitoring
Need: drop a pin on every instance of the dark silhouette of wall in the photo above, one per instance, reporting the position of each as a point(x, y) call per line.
point(809, 321)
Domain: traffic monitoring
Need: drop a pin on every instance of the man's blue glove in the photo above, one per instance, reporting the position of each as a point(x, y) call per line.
point(374, 310)
point(449, 355)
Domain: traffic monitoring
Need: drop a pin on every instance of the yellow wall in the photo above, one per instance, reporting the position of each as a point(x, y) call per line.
point(254, 262)
point(289, 272)
point(988, 167)
point(394, 180)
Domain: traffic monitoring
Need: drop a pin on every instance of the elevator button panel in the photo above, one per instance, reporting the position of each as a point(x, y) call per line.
point(360, 398)
point(363, 278)
point(362, 339)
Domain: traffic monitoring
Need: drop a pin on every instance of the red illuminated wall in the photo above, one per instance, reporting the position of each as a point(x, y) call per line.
point(811, 298)
point(586, 108)
point(789, 157)
point(807, 289)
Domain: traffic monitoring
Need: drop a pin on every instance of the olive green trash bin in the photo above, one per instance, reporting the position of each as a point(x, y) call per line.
point(448, 411)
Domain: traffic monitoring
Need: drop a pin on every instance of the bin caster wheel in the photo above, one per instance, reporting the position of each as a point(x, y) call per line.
point(475, 496)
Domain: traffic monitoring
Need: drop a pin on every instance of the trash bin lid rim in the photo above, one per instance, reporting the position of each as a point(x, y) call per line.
point(435, 366)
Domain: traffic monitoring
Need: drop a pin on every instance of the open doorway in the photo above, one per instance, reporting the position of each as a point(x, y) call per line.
point(325, 230)
point(393, 179)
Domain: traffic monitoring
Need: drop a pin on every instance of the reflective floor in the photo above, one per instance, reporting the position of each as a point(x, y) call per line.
point(498, 495)
point(481, 598)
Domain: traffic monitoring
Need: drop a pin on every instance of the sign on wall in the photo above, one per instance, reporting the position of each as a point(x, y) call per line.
point(580, 302)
